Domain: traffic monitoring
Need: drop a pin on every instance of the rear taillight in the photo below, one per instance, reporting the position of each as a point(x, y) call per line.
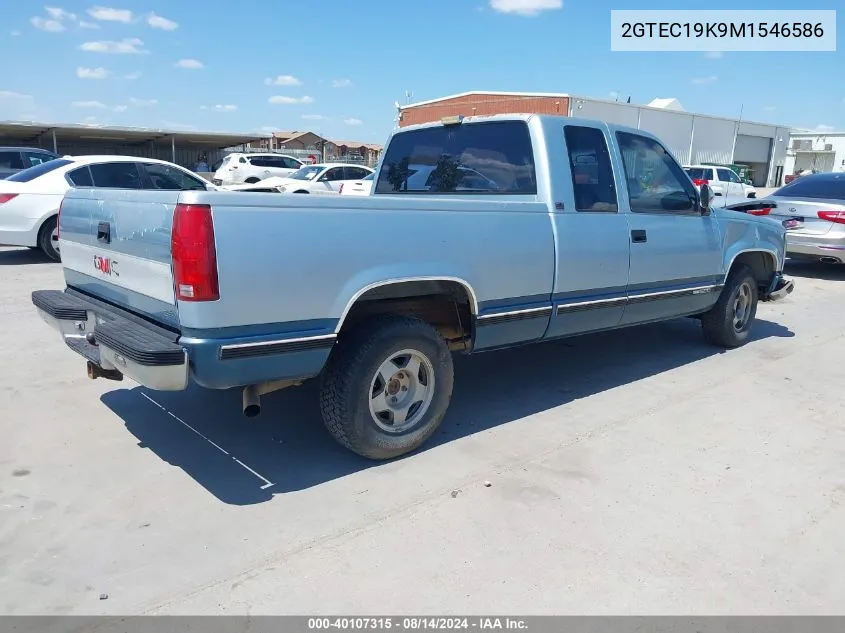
point(5, 197)
point(194, 254)
point(700, 181)
point(765, 211)
point(833, 216)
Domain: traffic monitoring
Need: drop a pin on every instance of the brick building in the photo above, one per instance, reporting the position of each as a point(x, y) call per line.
point(483, 103)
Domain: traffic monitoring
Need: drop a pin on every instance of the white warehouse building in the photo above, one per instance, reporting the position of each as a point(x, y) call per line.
point(693, 138)
point(822, 151)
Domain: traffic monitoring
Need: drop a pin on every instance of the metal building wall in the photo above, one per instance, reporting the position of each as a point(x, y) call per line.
point(674, 129)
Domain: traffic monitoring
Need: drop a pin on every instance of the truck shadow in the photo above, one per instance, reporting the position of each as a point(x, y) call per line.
point(803, 269)
point(22, 257)
point(246, 461)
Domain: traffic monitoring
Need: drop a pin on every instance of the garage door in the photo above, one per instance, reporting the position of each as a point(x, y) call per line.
point(752, 149)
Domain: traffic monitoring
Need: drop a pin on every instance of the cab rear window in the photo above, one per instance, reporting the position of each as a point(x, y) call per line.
point(39, 170)
point(470, 159)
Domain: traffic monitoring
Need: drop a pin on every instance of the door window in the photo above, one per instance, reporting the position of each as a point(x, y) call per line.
point(81, 177)
point(725, 175)
point(117, 176)
point(290, 163)
point(356, 173)
point(31, 159)
point(336, 173)
point(591, 169)
point(11, 160)
point(172, 179)
point(655, 181)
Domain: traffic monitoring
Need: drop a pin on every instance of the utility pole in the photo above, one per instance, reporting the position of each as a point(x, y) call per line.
point(736, 132)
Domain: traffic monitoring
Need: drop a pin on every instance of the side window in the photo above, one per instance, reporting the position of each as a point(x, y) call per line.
point(258, 161)
point(656, 183)
point(734, 177)
point(81, 177)
point(116, 176)
point(333, 174)
point(11, 160)
point(592, 170)
point(709, 175)
point(355, 173)
point(172, 179)
point(242, 160)
point(290, 163)
point(725, 175)
point(435, 160)
point(31, 159)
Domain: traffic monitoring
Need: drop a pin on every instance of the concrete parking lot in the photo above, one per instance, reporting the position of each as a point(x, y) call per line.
point(630, 472)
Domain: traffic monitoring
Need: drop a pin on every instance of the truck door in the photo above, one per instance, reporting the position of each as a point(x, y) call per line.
point(592, 236)
point(676, 254)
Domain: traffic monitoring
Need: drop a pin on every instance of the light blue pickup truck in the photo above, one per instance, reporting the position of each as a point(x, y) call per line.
point(479, 233)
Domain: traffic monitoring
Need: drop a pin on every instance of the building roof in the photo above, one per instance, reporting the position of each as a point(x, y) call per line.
point(484, 92)
point(28, 131)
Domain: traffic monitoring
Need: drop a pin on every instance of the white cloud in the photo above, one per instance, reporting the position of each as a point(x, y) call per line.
point(88, 104)
point(525, 7)
point(134, 75)
point(142, 103)
point(269, 129)
point(700, 81)
point(120, 108)
point(52, 26)
point(714, 54)
point(225, 108)
point(341, 83)
point(159, 22)
point(824, 128)
point(91, 73)
point(88, 25)
point(126, 46)
point(282, 80)
point(60, 14)
point(173, 125)
point(9, 96)
point(353, 121)
point(191, 64)
point(314, 117)
point(15, 33)
point(107, 14)
point(290, 100)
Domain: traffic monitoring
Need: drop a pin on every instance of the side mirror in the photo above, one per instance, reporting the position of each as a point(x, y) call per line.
point(705, 198)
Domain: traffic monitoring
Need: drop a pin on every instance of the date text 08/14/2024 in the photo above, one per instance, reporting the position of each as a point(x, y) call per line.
point(416, 623)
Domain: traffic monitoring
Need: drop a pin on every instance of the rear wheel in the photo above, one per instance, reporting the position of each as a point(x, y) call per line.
point(48, 239)
point(387, 387)
point(728, 323)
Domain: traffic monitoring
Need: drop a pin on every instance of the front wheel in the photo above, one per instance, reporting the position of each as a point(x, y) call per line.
point(48, 239)
point(387, 387)
point(728, 323)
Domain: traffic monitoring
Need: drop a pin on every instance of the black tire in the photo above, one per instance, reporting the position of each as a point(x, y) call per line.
point(251, 180)
point(720, 324)
point(301, 191)
point(45, 239)
point(350, 380)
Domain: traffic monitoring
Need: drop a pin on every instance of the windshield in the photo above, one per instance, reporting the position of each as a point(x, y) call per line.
point(32, 173)
point(306, 173)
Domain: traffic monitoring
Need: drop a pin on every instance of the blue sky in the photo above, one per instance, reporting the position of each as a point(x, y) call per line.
point(337, 67)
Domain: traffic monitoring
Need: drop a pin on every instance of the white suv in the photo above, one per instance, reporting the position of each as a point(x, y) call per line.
point(726, 185)
point(249, 168)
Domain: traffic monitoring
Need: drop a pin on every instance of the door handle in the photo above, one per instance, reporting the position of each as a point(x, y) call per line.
point(104, 232)
point(638, 236)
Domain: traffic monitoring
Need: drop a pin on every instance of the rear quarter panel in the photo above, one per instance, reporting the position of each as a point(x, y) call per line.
point(743, 233)
point(301, 260)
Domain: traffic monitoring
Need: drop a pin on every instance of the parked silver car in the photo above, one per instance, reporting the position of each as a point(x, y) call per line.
point(813, 209)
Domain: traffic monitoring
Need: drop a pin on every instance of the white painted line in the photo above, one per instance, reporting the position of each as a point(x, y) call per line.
point(267, 482)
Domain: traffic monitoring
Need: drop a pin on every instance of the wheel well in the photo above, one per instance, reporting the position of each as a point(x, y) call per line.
point(300, 191)
point(252, 180)
point(446, 305)
point(43, 226)
point(761, 264)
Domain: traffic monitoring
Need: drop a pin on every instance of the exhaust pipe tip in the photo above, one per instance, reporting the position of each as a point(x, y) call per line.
point(251, 401)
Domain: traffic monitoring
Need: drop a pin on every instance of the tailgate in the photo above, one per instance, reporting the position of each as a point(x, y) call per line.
point(115, 245)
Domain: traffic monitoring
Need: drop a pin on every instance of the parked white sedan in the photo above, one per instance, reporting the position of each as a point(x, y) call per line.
point(30, 199)
point(320, 178)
